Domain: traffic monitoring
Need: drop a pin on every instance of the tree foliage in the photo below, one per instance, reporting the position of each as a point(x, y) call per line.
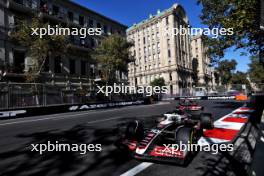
point(113, 54)
point(158, 82)
point(239, 78)
point(241, 15)
point(225, 69)
point(256, 71)
point(195, 65)
point(38, 48)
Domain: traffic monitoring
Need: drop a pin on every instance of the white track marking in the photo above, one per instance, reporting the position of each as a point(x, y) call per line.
point(228, 125)
point(95, 121)
point(103, 120)
point(26, 121)
point(62, 116)
point(244, 110)
point(48, 118)
point(137, 169)
point(53, 117)
point(240, 115)
point(205, 141)
point(224, 125)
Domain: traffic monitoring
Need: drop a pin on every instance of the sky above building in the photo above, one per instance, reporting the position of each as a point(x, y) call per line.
point(129, 12)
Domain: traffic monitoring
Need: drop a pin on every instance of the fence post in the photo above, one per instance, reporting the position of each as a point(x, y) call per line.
point(44, 94)
point(8, 95)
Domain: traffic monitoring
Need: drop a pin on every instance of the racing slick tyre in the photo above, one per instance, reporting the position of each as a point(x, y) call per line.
point(206, 121)
point(135, 130)
point(195, 115)
point(185, 135)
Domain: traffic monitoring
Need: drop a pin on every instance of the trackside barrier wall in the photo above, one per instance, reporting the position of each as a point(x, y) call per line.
point(33, 111)
point(206, 98)
point(239, 161)
point(257, 101)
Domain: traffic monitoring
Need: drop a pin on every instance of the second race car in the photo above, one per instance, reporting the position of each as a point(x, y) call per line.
point(189, 105)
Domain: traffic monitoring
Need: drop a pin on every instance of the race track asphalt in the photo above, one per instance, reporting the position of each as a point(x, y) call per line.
point(98, 127)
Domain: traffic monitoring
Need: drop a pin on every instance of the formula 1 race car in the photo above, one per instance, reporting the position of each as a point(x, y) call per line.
point(189, 105)
point(158, 144)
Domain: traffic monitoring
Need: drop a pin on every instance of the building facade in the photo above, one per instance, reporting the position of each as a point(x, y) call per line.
point(201, 63)
point(159, 53)
point(74, 69)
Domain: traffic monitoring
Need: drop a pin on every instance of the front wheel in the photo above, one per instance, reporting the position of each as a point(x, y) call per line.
point(185, 135)
point(135, 130)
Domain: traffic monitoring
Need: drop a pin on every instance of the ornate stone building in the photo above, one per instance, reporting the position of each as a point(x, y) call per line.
point(73, 70)
point(160, 53)
point(205, 73)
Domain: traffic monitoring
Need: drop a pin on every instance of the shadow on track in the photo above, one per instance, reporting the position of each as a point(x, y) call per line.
point(22, 161)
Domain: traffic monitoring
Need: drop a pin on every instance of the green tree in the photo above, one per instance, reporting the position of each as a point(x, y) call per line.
point(195, 65)
point(239, 78)
point(39, 49)
point(217, 77)
point(241, 15)
point(256, 71)
point(113, 54)
point(225, 69)
point(158, 82)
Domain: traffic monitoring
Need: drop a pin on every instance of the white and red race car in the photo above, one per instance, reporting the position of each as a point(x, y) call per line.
point(159, 143)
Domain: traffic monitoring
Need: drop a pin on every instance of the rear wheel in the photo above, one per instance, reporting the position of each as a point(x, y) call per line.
point(135, 130)
point(195, 114)
point(206, 121)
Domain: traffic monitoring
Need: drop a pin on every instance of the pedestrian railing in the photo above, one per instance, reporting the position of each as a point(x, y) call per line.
point(16, 95)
